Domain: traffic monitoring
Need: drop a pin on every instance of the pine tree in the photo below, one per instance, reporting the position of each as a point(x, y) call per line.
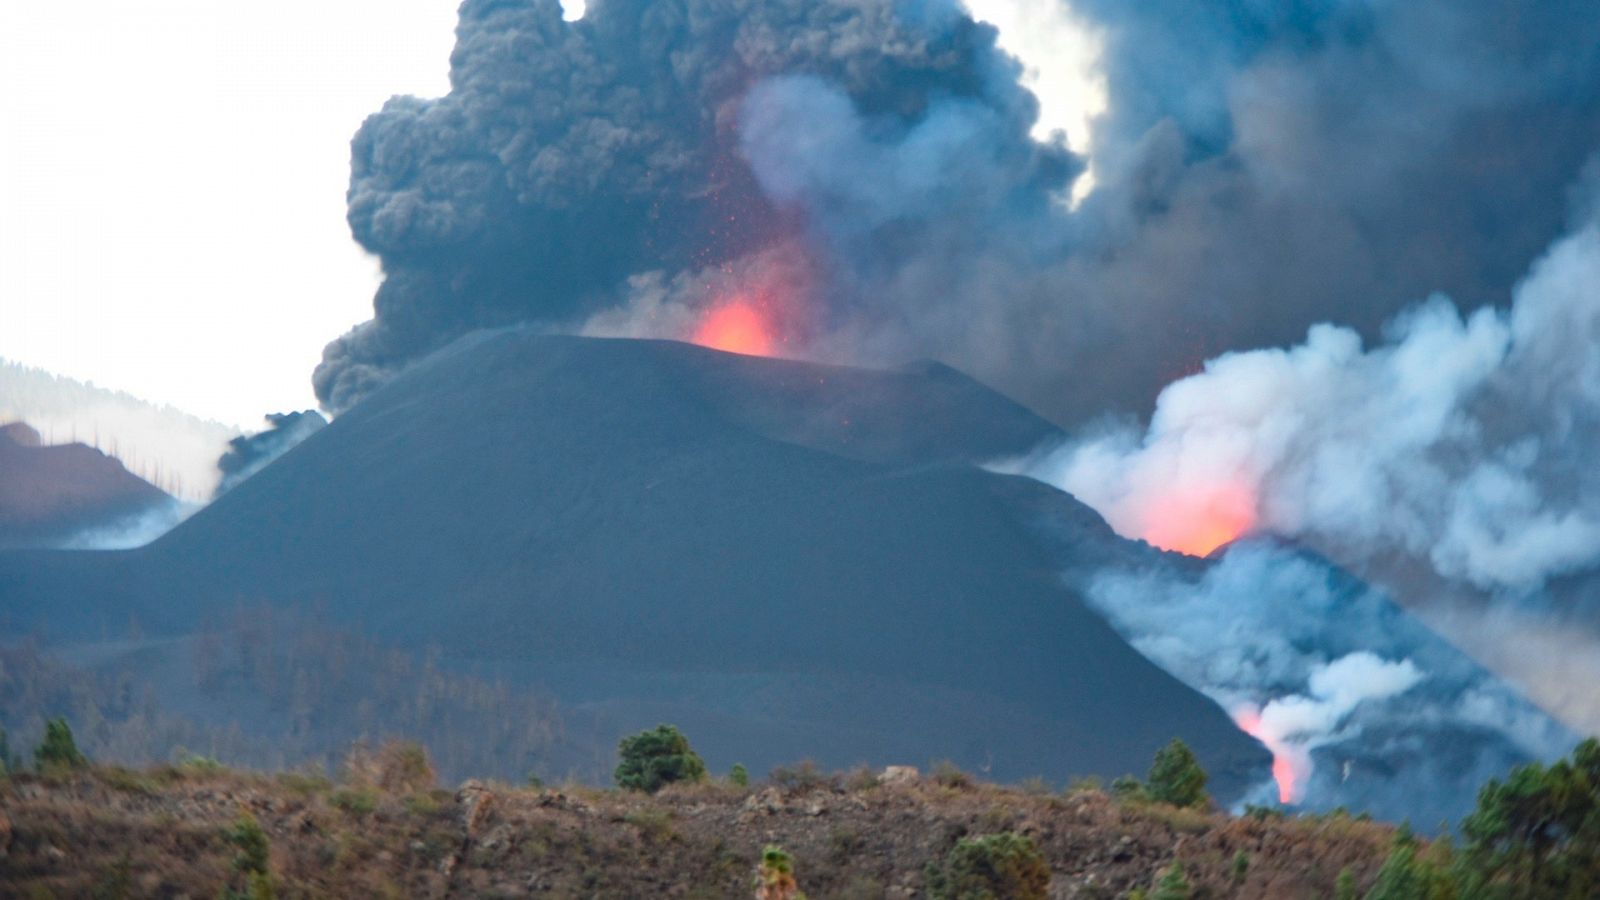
point(1176, 777)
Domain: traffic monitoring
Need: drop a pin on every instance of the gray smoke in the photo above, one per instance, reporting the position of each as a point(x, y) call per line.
point(249, 454)
point(1362, 705)
point(1261, 167)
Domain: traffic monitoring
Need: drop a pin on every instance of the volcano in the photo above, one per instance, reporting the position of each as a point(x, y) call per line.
point(785, 559)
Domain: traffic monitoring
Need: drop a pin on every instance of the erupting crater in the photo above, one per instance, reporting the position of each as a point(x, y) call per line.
point(738, 326)
point(1196, 522)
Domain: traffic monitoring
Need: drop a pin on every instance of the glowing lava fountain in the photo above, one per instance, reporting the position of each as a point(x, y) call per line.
point(736, 327)
point(1287, 771)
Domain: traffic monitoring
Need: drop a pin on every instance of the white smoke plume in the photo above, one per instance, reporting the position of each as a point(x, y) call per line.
point(167, 447)
point(1334, 678)
point(1458, 440)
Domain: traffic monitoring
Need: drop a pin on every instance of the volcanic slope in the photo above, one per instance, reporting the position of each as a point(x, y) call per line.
point(785, 559)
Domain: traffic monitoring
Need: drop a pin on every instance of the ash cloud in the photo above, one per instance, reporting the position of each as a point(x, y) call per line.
point(1260, 168)
point(249, 454)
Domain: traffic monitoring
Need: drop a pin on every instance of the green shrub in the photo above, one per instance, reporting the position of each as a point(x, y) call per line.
point(251, 861)
point(775, 876)
point(58, 751)
point(739, 775)
point(1003, 866)
point(1241, 866)
point(1176, 777)
point(1128, 789)
point(1345, 887)
point(652, 759)
point(1172, 885)
point(355, 801)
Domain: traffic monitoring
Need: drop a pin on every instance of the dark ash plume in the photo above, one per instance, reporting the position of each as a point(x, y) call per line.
point(1261, 168)
point(570, 156)
point(248, 454)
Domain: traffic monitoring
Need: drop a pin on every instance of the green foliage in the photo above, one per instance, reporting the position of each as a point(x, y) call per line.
point(1537, 834)
point(1345, 887)
point(655, 758)
point(58, 751)
point(775, 876)
point(1241, 866)
point(1003, 866)
point(1172, 885)
point(1403, 876)
point(1129, 789)
point(739, 775)
point(251, 860)
point(355, 801)
point(1176, 777)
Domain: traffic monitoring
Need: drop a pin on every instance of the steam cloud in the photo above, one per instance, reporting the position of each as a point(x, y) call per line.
point(1462, 441)
point(1259, 168)
point(1361, 704)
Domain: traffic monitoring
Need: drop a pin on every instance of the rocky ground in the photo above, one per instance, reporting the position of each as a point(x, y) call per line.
point(164, 833)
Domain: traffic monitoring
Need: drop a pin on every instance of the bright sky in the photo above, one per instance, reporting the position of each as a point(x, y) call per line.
point(172, 178)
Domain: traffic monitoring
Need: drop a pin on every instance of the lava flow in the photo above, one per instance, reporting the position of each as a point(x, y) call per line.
point(736, 327)
point(1283, 759)
point(1197, 522)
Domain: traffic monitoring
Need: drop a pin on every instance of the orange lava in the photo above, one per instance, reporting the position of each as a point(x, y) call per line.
point(1197, 522)
point(736, 327)
point(1282, 765)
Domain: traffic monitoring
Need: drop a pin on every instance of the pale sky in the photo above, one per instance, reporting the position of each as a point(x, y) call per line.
point(172, 178)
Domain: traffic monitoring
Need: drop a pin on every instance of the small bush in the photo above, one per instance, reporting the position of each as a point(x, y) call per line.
point(1176, 777)
point(775, 876)
point(355, 801)
point(1241, 866)
point(949, 775)
point(197, 766)
point(1172, 885)
point(1004, 865)
point(651, 759)
point(739, 775)
point(398, 767)
point(251, 861)
point(805, 775)
point(1128, 789)
point(652, 823)
point(58, 751)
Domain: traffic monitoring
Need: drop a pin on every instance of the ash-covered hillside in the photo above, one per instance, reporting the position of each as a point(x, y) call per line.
point(786, 559)
point(49, 494)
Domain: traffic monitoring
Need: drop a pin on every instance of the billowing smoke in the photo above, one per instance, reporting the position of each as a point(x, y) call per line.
point(1452, 461)
point(249, 454)
point(1461, 441)
point(1361, 705)
point(1258, 168)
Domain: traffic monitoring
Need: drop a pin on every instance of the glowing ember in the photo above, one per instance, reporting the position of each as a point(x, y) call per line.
point(736, 327)
point(1283, 758)
point(1197, 522)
